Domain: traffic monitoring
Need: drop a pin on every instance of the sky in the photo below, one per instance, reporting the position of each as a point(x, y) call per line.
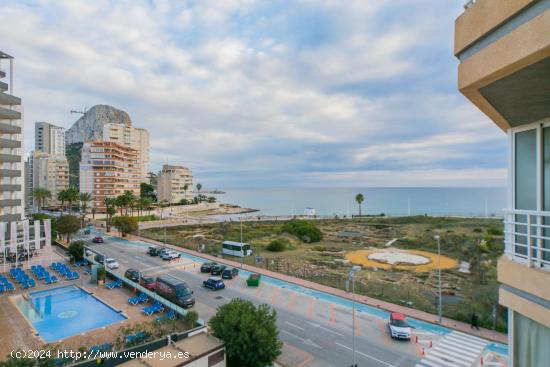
point(251, 93)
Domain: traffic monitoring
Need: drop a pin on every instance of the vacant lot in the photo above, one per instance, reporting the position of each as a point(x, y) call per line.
point(477, 241)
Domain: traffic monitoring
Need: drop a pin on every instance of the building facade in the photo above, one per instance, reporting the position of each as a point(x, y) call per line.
point(131, 137)
point(108, 169)
point(11, 145)
point(46, 171)
point(504, 51)
point(172, 181)
point(49, 138)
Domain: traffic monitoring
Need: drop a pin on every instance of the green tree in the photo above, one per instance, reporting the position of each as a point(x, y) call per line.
point(211, 199)
point(76, 251)
point(62, 196)
point(41, 194)
point(84, 198)
point(359, 198)
point(125, 224)
point(120, 203)
point(199, 187)
point(146, 203)
point(128, 198)
point(250, 333)
point(72, 197)
point(67, 225)
point(147, 191)
point(303, 229)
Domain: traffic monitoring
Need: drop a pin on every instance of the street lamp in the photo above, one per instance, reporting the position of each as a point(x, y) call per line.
point(351, 276)
point(440, 306)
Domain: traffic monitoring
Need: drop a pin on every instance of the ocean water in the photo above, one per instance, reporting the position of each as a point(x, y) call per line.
point(390, 201)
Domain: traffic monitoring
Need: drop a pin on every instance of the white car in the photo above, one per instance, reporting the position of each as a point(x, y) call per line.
point(111, 263)
point(170, 255)
point(399, 328)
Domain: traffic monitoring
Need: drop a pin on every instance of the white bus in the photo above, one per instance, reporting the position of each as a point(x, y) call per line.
point(236, 249)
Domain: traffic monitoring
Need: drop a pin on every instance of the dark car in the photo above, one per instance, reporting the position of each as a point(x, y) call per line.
point(97, 239)
point(99, 258)
point(207, 267)
point(218, 269)
point(132, 274)
point(162, 251)
point(153, 251)
point(214, 283)
point(148, 282)
point(230, 273)
point(175, 290)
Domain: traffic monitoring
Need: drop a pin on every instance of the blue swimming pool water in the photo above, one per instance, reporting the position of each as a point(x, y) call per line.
point(66, 311)
point(418, 324)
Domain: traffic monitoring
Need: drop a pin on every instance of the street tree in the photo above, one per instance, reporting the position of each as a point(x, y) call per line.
point(359, 198)
point(125, 224)
point(67, 225)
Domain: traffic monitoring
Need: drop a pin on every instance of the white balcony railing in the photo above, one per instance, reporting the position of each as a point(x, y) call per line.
point(527, 237)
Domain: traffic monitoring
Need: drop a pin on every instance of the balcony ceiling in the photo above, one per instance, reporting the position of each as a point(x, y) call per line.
point(524, 96)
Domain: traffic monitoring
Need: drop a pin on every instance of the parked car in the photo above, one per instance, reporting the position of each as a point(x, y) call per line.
point(99, 258)
point(175, 291)
point(230, 273)
point(97, 239)
point(162, 251)
point(111, 263)
point(207, 267)
point(218, 269)
point(170, 255)
point(214, 283)
point(148, 282)
point(399, 328)
point(132, 274)
point(153, 251)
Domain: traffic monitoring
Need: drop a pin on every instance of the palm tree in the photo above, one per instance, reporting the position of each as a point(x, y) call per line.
point(120, 203)
point(128, 199)
point(62, 196)
point(41, 194)
point(199, 187)
point(359, 198)
point(85, 198)
point(146, 204)
point(110, 204)
point(185, 188)
point(72, 196)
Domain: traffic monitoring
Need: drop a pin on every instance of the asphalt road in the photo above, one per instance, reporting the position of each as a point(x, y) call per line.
point(315, 332)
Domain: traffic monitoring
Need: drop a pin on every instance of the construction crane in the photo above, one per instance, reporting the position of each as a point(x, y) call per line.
point(80, 112)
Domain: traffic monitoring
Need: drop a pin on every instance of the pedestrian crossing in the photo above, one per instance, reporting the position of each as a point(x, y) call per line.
point(454, 350)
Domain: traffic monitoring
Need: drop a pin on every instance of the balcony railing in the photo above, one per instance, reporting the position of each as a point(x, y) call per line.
point(527, 237)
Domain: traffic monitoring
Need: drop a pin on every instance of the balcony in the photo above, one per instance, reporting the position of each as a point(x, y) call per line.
point(10, 217)
point(9, 202)
point(9, 129)
point(9, 143)
point(9, 187)
point(10, 172)
point(9, 100)
point(7, 114)
point(11, 158)
point(527, 237)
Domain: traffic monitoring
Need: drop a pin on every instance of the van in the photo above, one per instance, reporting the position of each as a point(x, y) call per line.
point(175, 291)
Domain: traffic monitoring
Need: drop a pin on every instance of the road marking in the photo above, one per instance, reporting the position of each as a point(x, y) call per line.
point(332, 317)
point(365, 355)
point(455, 349)
point(293, 335)
point(294, 326)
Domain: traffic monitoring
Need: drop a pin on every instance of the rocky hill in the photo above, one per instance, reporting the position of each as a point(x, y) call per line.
point(90, 125)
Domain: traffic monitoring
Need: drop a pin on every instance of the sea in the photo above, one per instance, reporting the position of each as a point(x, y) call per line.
point(437, 201)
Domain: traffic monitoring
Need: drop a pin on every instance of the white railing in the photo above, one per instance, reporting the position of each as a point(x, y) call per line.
point(527, 237)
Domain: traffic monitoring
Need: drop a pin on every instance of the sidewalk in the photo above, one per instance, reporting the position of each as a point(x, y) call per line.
point(417, 314)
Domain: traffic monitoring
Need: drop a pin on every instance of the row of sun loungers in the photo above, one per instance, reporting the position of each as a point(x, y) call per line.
point(139, 299)
point(114, 284)
point(42, 274)
point(24, 280)
point(65, 271)
point(155, 308)
point(5, 285)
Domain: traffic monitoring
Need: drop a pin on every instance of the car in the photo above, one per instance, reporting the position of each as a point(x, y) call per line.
point(97, 239)
point(148, 282)
point(218, 269)
point(207, 267)
point(132, 274)
point(153, 251)
point(87, 231)
point(230, 273)
point(111, 263)
point(162, 251)
point(99, 258)
point(170, 255)
point(214, 283)
point(399, 327)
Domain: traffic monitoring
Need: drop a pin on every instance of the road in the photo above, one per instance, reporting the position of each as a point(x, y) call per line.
point(315, 332)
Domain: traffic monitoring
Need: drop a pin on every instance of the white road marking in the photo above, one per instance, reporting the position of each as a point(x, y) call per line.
point(365, 355)
point(294, 326)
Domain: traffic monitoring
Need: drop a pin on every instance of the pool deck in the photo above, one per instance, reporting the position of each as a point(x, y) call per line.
point(417, 314)
point(18, 333)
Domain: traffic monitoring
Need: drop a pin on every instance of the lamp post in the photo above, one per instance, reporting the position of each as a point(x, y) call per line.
point(242, 251)
point(351, 276)
point(440, 306)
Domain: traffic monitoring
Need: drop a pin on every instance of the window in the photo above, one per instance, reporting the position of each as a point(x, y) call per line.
point(530, 342)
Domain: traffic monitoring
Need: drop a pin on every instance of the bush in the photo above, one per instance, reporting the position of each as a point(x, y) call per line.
point(495, 231)
point(191, 318)
point(304, 230)
point(477, 230)
point(276, 246)
point(76, 251)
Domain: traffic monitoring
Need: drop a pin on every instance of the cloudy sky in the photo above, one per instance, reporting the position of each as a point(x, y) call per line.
point(264, 93)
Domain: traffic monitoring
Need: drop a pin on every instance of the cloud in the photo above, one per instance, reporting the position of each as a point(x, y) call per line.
point(263, 93)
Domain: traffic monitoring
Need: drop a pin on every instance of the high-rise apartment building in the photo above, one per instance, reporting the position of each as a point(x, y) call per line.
point(11, 146)
point(46, 171)
point(131, 137)
point(504, 51)
point(175, 183)
point(49, 138)
point(108, 169)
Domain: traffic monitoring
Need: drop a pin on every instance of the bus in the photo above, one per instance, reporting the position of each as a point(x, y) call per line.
point(236, 249)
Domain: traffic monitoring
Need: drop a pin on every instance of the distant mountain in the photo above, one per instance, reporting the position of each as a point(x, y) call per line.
point(90, 125)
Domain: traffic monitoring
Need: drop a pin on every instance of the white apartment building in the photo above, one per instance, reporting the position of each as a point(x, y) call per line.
point(47, 171)
point(131, 137)
point(172, 182)
point(11, 145)
point(49, 138)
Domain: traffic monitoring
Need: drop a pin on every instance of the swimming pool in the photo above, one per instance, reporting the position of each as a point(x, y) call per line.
point(62, 312)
